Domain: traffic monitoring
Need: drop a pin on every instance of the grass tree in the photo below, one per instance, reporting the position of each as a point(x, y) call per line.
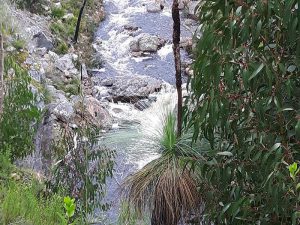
point(166, 187)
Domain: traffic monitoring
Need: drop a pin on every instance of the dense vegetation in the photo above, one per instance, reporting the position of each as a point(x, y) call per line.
point(244, 99)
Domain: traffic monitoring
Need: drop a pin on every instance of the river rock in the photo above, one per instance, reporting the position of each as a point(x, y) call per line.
point(154, 7)
point(142, 104)
point(130, 28)
point(146, 43)
point(187, 44)
point(131, 89)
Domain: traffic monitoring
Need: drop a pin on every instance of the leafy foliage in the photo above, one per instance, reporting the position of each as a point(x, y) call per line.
point(70, 207)
point(20, 115)
point(83, 171)
point(244, 99)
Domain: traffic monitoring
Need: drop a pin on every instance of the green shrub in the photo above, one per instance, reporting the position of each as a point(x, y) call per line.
point(246, 102)
point(18, 44)
point(58, 13)
point(62, 48)
point(20, 114)
point(57, 28)
point(32, 5)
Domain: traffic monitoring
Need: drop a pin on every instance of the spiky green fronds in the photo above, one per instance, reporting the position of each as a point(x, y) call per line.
point(166, 187)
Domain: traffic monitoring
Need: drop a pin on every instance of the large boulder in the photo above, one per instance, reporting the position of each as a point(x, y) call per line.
point(40, 40)
point(130, 89)
point(94, 112)
point(146, 43)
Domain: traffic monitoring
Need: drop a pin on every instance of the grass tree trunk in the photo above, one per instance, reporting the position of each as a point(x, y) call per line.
point(1, 73)
point(75, 39)
point(176, 51)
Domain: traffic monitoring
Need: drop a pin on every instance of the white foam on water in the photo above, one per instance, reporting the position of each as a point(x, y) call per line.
point(165, 51)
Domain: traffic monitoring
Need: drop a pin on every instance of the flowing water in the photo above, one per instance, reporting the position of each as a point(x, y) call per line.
point(135, 133)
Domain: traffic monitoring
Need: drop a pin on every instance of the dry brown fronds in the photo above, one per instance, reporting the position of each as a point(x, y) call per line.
point(165, 189)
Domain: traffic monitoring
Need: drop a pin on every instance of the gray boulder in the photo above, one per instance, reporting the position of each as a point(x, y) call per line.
point(131, 89)
point(63, 111)
point(41, 41)
point(94, 112)
point(146, 43)
point(154, 7)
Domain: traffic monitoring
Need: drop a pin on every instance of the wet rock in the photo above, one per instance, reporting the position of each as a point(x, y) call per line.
point(130, 28)
point(154, 7)
point(142, 104)
point(132, 89)
point(107, 82)
point(40, 40)
point(187, 44)
point(134, 46)
point(146, 43)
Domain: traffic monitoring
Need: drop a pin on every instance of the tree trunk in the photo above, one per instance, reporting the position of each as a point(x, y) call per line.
point(176, 51)
point(75, 39)
point(1, 74)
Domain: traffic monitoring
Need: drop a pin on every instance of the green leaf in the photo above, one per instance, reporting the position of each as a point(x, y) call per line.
point(257, 71)
point(293, 168)
point(225, 153)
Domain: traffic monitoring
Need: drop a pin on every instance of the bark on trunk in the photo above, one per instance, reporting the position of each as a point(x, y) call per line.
point(75, 39)
point(176, 51)
point(1, 74)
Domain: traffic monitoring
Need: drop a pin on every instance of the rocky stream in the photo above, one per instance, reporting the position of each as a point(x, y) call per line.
point(127, 97)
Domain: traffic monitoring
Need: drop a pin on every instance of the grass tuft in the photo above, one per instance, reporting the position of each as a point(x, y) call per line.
point(20, 202)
